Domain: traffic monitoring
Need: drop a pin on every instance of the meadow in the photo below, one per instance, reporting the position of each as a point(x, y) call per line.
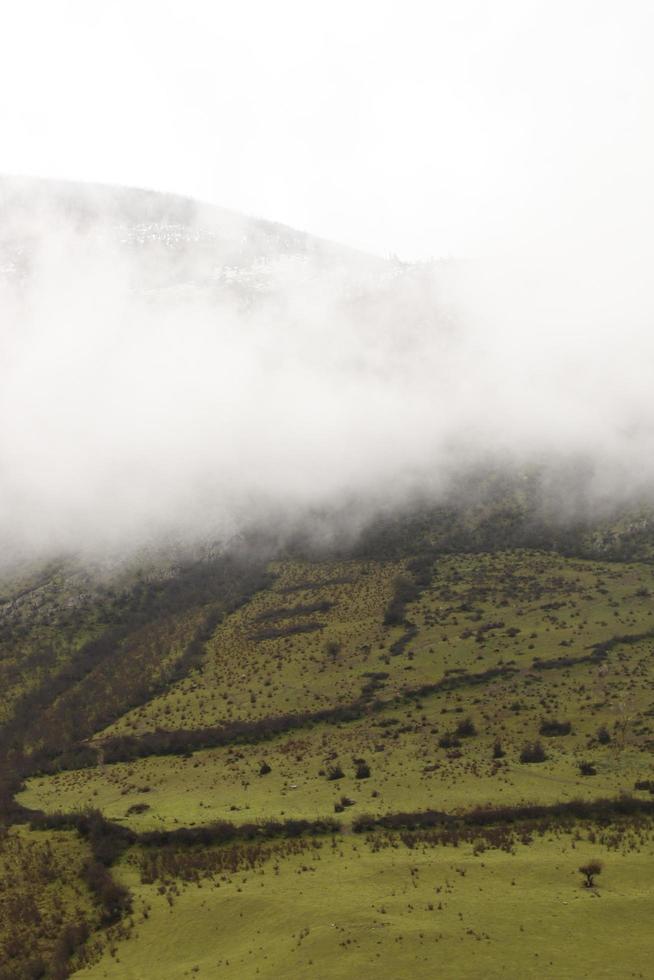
point(380, 908)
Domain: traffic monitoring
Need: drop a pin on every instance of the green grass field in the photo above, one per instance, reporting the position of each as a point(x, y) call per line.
point(351, 909)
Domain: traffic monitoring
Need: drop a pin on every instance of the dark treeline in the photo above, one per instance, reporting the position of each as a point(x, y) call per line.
point(310, 585)
point(108, 840)
point(121, 668)
point(464, 679)
point(225, 832)
point(599, 811)
point(409, 587)
point(289, 612)
point(279, 632)
point(558, 663)
point(599, 652)
point(398, 647)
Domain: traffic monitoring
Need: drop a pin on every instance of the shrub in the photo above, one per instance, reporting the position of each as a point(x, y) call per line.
point(137, 808)
point(587, 769)
point(332, 649)
point(362, 771)
point(498, 751)
point(335, 772)
point(603, 736)
point(551, 727)
point(533, 752)
point(264, 769)
point(465, 728)
point(449, 741)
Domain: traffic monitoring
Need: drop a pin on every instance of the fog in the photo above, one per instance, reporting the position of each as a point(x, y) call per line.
point(420, 128)
point(173, 372)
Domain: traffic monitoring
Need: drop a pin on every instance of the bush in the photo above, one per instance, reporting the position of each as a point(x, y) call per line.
point(551, 727)
point(465, 728)
point(498, 751)
point(332, 649)
point(362, 771)
point(137, 808)
point(603, 736)
point(335, 772)
point(264, 769)
point(533, 752)
point(587, 769)
point(449, 741)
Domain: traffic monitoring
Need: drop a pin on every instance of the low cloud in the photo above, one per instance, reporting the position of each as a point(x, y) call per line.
point(174, 371)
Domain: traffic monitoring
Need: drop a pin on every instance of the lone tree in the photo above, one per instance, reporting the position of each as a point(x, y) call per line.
point(590, 872)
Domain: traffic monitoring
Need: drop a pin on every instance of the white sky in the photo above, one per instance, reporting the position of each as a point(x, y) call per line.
point(421, 128)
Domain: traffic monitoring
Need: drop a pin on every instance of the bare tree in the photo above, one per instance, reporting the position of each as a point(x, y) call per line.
point(590, 872)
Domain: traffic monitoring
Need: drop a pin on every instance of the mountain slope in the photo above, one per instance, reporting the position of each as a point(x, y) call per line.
point(367, 732)
point(392, 705)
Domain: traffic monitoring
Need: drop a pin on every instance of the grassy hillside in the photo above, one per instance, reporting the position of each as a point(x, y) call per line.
point(432, 713)
point(438, 695)
point(300, 645)
point(46, 905)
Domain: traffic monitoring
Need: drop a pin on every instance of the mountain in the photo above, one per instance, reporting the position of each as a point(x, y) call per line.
point(418, 744)
point(183, 235)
